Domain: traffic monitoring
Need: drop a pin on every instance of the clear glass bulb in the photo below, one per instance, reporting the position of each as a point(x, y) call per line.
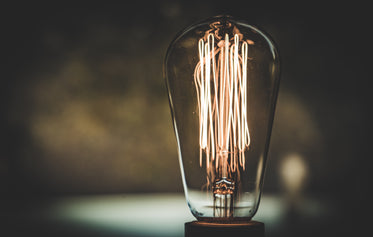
point(222, 77)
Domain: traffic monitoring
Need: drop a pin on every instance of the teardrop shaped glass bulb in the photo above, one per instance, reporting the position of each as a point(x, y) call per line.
point(222, 77)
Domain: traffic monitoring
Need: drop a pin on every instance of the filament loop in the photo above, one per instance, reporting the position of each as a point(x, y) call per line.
point(222, 84)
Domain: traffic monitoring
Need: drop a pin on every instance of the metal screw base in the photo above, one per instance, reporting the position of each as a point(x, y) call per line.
point(247, 229)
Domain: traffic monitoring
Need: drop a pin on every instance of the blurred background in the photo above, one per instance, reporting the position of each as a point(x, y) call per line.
point(85, 117)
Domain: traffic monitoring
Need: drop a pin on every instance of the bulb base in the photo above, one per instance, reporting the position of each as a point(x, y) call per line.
point(201, 228)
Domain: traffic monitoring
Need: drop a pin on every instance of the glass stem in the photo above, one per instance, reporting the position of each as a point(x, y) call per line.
point(223, 190)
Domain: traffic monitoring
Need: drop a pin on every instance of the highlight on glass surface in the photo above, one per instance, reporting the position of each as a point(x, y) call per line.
point(222, 78)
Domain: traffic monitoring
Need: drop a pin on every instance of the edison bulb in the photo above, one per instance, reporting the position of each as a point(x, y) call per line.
point(222, 77)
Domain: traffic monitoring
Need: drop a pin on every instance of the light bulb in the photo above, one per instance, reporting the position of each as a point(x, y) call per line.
point(222, 77)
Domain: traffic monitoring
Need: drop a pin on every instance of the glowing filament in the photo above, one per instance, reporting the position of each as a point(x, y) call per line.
point(221, 83)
